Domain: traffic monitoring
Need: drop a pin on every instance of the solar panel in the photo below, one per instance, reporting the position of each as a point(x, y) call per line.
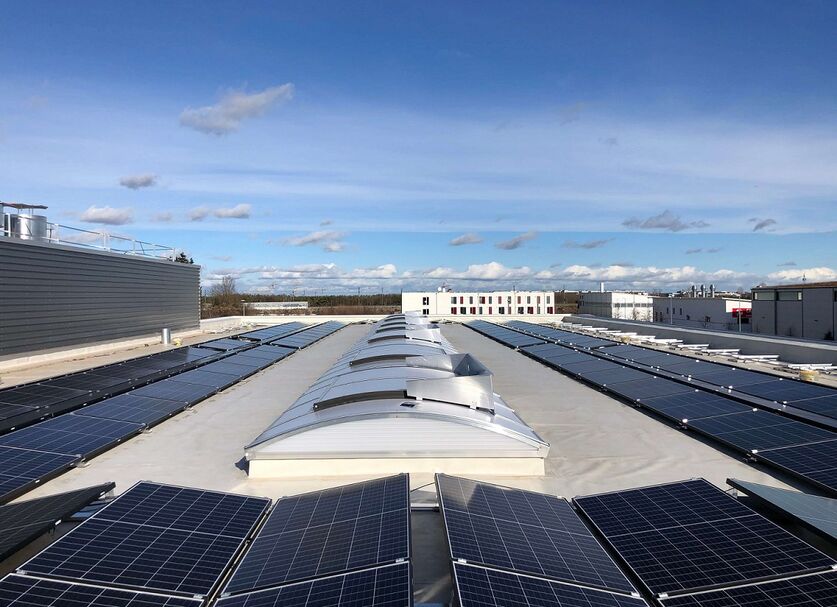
point(614, 376)
point(163, 539)
point(733, 378)
point(784, 390)
point(85, 381)
point(226, 344)
point(26, 591)
point(816, 462)
point(387, 586)
point(329, 531)
point(824, 405)
point(22, 522)
point(807, 591)
point(71, 435)
point(693, 405)
point(20, 468)
point(269, 354)
point(38, 395)
point(756, 430)
point(206, 377)
point(232, 366)
point(172, 389)
point(648, 387)
point(132, 407)
point(482, 587)
point(689, 535)
point(819, 514)
point(524, 532)
point(13, 411)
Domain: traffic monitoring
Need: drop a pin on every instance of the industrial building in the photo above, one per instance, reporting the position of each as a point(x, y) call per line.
point(444, 302)
point(807, 310)
point(717, 313)
point(399, 463)
point(616, 304)
point(59, 294)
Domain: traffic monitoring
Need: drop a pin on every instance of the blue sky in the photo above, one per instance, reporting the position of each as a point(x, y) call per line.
point(336, 146)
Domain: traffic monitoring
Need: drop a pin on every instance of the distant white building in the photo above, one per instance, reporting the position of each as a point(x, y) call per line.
point(492, 303)
point(616, 304)
point(721, 313)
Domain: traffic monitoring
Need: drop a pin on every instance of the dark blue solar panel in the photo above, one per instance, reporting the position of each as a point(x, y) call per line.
point(327, 532)
point(173, 389)
point(756, 430)
point(594, 364)
point(693, 405)
point(690, 535)
point(225, 344)
point(25, 591)
point(614, 376)
point(523, 532)
point(807, 591)
point(132, 407)
point(13, 411)
point(388, 586)
point(784, 390)
point(186, 509)
point(206, 377)
point(154, 537)
point(816, 462)
point(233, 366)
point(824, 405)
point(38, 395)
point(648, 387)
point(269, 354)
point(20, 468)
point(85, 381)
point(71, 435)
point(734, 378)
point(481, 587)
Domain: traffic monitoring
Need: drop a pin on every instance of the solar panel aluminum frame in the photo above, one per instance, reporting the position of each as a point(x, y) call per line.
point(220, 580)
point(583, 585)
point(603, 538)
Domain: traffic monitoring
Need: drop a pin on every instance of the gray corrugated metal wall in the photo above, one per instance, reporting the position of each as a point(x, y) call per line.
point(54, 297)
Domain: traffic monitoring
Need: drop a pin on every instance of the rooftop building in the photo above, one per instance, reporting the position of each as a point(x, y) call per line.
point(444, 302)
point(807, 310)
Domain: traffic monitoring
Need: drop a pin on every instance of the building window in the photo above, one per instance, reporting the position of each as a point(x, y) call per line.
point(518, 299)
point(549, 309)
point(520, 309)
point(453, 300)
point(482, 299)
point(502, 309)
point(539, 299)
point(764, 295)
point(549, 299)
point(473, 309)
point(489, 310)
point(425, 301)
point(461, 299)
point(489, 299)
point(462, 310)
point(453, 310)
point(471, 299)
point(480, 310)
point(790, 295)
point(426, 311)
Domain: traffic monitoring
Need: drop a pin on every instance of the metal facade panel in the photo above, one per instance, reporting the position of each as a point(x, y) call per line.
point(61, 296)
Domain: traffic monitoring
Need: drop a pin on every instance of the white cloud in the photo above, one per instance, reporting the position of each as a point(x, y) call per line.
point(239, 211)
point(108, 215)
point(135, 182)
point(225, 116)
point(808, 274)
point(469, 238)
point(198, 213)
point(517, 241)
point(590, 244)
point(329, 240)
point(666, 220)
point(164, 217)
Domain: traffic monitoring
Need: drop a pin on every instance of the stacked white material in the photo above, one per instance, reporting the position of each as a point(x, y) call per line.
point(400, 400)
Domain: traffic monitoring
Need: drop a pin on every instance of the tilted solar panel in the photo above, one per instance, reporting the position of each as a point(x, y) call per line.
point(154, 538)
point(22, 468)
point(687, 536)
point(524, 532)
point(327, 532)
point(387, 586)
point(132, 407)
point(71, 434)
point(693, 405)
point(483, 587)
point(173, 389)
point(26, 591)
point(816, 462)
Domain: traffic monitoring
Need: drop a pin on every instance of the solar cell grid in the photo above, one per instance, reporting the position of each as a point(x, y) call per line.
point(693, 405)
point(327, 532)
point(649, 387)
point(205, 377)
point(524, 532)
point(756, 430)
point(729, 377)
point(784, 390)
point(824, 405)
point(816, 461)
point(132, 407)
point(387, 586)
point(614, 376)
point(26, 591)
point(173, 389)
point(71, 435)
point(38, 395)
point(186, 509)
point(482, 587)
point(20, 467)
point(84, 381)
point(12, 411)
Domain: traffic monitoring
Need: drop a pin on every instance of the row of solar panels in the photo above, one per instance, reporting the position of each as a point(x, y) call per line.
point(159, 545)
point(687, 543)
point(37, 452)
point(789, 395)
point(27, 403)
point(801, 449)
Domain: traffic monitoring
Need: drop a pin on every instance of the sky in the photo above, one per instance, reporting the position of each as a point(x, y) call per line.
point(334, 146)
